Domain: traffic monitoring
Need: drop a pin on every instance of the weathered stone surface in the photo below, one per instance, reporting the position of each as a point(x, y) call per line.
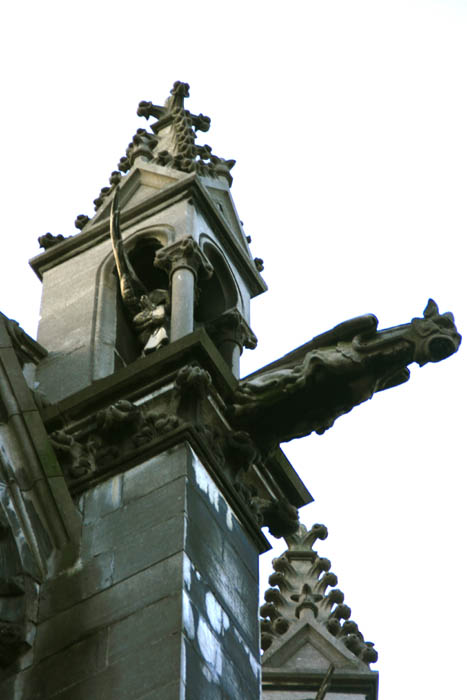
point(172, 691)
point(154, 473)
point(65, 591)
point(221, 604)
point(139, 550)
point(107, 607)
point(144, 627)
point(224, 574)
point(102, 500)
point(133, 676)
point(200, 679)
point(148, 511)
point(67, 668)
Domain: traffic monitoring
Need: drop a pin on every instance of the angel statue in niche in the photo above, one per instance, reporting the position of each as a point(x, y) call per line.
point(147, 309)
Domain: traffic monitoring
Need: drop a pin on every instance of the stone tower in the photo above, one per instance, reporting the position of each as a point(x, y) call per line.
point(151, 520)
point(137, 471)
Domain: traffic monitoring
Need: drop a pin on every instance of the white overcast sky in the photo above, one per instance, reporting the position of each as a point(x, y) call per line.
point(348, 121)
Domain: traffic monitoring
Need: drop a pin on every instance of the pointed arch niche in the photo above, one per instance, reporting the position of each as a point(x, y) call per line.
point(218, 295)
point(113, 342)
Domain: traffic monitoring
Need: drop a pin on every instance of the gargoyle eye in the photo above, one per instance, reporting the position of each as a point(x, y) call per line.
point(444, 322)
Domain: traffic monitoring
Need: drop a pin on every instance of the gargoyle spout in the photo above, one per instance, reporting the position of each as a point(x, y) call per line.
point(432, 338)
point(306, 390)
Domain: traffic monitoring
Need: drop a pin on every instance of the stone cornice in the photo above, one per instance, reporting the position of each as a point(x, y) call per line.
point(181, 392)
point(365, 683)
point(142, 377)
point(189, 187)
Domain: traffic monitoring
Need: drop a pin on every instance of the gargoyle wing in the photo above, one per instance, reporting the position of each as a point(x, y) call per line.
point(347, 330)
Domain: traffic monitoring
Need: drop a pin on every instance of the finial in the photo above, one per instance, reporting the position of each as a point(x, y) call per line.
point(175, 131)
point(304, 589)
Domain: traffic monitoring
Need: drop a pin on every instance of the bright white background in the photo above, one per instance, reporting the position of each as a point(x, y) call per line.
point(348, 121)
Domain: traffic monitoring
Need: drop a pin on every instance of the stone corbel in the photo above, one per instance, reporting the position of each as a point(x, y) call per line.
point(231, 333)
point(192, 386)
point(185, 263)
point(280, 516)
point(119, 430)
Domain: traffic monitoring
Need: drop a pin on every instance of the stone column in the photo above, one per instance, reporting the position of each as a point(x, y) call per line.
point(184, 261)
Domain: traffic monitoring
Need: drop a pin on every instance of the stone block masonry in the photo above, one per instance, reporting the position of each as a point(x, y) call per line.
point(162, 602)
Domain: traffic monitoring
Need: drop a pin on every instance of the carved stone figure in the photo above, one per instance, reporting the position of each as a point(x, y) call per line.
point(280, 516)
point(308, 389)
point(148, 310)
point(73, 455)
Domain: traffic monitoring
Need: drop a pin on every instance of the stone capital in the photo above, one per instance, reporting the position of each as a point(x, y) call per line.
point(184, 253)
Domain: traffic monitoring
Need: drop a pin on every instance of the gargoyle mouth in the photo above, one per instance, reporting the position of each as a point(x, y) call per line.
point(441, 347)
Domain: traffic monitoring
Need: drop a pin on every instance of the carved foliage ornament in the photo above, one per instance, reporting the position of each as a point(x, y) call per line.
point(172, 144)
point(176, 134)
point(119, 430)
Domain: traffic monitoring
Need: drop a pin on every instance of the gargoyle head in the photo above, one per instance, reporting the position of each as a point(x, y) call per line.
point(435, 335)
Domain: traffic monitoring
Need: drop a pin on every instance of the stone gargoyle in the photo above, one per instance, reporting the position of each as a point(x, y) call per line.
point(307, 389)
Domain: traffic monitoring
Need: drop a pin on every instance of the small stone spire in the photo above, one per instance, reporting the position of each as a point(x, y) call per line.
point(304, 587)
point(173, 143)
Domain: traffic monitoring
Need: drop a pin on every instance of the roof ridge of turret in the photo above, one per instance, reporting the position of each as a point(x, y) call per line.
point(171, 144)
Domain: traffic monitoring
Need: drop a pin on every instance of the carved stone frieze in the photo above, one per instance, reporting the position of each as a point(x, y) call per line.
point(308, 389)
point(184, 253)
point(116, 432)
point(124, 431)
point(303, 585)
